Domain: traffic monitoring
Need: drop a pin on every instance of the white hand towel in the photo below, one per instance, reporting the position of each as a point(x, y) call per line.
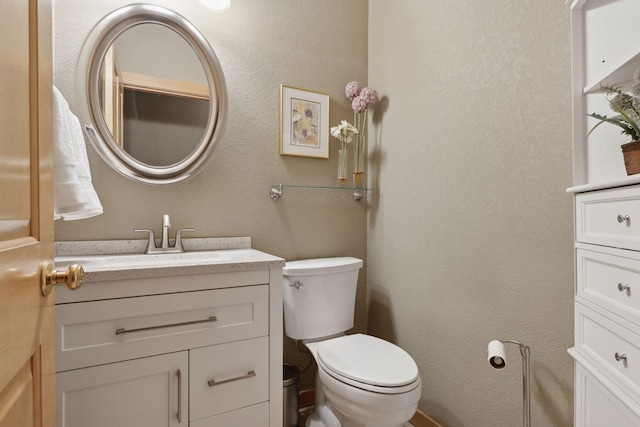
point(74, 196)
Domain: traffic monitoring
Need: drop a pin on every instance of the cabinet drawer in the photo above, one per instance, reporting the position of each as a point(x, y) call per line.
point(609, 217)
point(254, 416)
point(597, 405)
point(606, 341)
point(228, 376)
point(94, 333)
point(610, 278)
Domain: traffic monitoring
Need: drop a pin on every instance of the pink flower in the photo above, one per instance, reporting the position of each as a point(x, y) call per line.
point(359, 105)
point(352, 90)
point(369, 95)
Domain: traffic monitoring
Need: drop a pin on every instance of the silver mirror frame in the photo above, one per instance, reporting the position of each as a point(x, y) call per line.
point(93, 123)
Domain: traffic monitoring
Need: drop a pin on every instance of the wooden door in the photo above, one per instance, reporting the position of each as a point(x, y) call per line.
point(27, 368)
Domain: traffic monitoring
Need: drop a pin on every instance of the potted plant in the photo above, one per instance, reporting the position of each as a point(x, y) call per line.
point(627, 107)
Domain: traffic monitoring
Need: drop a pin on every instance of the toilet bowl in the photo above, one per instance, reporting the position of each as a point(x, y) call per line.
point(366, 381)
point(362, 381)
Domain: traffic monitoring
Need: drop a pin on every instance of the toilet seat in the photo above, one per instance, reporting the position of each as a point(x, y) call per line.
point(368, 363)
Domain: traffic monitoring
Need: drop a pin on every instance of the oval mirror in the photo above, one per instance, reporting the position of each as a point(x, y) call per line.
point(151, 94)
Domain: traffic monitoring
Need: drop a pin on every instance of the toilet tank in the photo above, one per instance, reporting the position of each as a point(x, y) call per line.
point(319, 296)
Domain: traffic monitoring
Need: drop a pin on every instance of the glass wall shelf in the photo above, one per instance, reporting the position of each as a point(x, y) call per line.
point(277, 190)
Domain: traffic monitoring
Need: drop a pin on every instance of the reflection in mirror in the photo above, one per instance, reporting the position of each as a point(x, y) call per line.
point(152, 95)
point(162, 130)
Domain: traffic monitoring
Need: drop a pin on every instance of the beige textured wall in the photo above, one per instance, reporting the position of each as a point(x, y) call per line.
point(471, 237)
point(260, 44)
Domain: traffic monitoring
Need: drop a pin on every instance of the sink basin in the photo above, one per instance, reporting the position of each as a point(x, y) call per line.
point(145, 260)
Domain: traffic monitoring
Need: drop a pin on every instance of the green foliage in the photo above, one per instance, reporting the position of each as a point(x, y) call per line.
point(628, 108)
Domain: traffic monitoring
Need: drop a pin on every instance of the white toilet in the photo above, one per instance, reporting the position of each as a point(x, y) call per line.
point(362, 381)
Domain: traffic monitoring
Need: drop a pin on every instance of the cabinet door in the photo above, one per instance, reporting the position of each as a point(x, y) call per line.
point(596, 405)
point(148, 392)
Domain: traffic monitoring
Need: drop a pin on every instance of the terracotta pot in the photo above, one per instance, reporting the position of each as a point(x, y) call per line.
point(631, 154)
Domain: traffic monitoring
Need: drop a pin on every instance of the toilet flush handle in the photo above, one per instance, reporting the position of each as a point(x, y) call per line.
point(298, 284)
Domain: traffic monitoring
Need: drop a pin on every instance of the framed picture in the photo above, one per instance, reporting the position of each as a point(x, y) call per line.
point(304, 123)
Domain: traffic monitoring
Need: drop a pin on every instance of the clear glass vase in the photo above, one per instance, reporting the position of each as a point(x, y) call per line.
point(359, 157)
point(342, 166)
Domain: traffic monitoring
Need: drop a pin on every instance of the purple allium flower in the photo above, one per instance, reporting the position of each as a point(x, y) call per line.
point(352, 90)
point(359, 105)
point(369, 95)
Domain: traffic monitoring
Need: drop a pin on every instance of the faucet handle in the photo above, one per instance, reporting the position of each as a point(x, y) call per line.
point(178, 243)
point(152, 238)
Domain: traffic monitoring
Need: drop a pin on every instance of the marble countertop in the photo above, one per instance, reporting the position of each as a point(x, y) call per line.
point(109, 260)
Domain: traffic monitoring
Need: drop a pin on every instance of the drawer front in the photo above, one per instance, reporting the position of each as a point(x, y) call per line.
point(229, 376)
point(254, 416)
point(610, 278)
point(610, 218)
point(94, 333)
point(597, 406)
point(616, 348)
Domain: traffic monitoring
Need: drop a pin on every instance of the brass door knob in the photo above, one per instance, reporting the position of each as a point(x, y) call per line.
point(49, 277)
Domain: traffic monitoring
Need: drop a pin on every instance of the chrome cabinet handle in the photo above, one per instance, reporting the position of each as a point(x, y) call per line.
point(621, 356)
point(170, 325)
point(249, 374)
point(179, 396)
point(624, 218)
point(623, 288)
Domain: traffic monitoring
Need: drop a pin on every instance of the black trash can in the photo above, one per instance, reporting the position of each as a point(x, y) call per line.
point(290, 379)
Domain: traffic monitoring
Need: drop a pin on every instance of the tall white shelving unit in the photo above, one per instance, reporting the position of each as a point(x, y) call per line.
point(605, 51)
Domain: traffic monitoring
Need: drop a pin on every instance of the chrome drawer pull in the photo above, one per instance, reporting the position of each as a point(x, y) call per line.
point(170, 325)
point(623, 288)
point(242, 377)
point(624, 218)
point(179, 396)
point(621, 356)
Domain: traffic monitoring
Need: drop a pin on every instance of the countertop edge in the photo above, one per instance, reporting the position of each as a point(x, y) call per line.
point(181, 270)
point(113, 247)
point(241, 258)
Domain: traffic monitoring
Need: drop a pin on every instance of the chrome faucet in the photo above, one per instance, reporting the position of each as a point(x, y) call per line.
point(166, 225)
point(165, 246)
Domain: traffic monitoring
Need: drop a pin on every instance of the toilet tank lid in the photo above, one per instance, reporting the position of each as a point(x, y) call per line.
point(309, 267)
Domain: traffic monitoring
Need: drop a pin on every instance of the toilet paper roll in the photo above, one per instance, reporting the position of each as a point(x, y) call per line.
point(496, 356)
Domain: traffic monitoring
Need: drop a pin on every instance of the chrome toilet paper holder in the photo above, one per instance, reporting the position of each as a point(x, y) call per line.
point(497, 359)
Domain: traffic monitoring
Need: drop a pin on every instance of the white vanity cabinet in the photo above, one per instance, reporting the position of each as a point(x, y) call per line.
point(607, 308)
point(605, 51)
point(165, 348)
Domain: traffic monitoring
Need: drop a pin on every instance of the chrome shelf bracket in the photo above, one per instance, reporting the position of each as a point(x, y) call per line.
point(276, 192)
point(359, 194)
